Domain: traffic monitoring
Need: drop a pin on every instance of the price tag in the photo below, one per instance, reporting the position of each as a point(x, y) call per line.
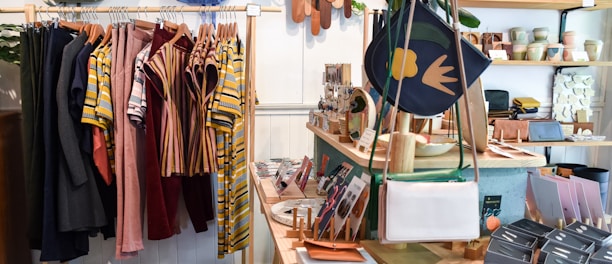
point(253, 10)
point(366, 177)
point(325, 124)
point(311, 117)
point(366, 139)
point(580, 56)
point(322, 182)
point(498, 54)
point(588, 3)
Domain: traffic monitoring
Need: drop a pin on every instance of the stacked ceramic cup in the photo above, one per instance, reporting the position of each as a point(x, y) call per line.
point(518, 36)
point(568, 38)
point(536, 50)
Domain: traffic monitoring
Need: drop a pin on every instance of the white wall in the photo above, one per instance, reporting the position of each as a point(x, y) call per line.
point(288, 81)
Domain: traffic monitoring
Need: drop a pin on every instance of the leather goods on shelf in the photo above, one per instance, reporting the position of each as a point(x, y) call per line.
point(525, 102)
point(545, 131)
point(510, 129)
point(499, 100)
point(334, 251)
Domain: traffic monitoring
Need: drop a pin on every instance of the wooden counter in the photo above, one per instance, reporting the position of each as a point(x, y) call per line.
point(418, 253)
point(448, 160)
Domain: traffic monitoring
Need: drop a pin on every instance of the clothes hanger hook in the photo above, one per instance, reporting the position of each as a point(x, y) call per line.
point(182, 15)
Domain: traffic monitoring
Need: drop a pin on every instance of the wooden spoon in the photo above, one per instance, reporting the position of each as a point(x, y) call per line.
point(297, 11)
point(315, 18)
point(325, 9)
point(337, 4)
point(348, 8)
point(307, 7)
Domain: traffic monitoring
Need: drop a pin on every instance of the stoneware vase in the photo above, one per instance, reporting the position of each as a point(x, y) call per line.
point(540, 33)
point(554, 52)
point(593, 48)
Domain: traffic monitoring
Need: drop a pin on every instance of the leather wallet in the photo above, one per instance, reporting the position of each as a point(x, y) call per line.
point(326, 250)
point(545, 131)
point(510, 129)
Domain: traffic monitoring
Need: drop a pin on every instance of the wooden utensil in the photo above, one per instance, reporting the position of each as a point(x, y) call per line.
point(325, 13)
point(308, 7)
point(315, 18)
point(337, 4)
point(297, 11)
point(348, 8)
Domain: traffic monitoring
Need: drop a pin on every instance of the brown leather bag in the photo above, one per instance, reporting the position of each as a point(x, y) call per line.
point(325, 250)
point(510, 129)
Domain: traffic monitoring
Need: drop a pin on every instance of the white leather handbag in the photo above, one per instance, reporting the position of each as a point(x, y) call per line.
point(429, 206)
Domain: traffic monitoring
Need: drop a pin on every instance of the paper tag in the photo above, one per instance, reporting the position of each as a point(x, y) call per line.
point(325, 123)
point(311, 117)
point(322, 182)
point(366, 139)
point(580, 56)
point(588, 3)
point(253, 10)
point(498, 54)
point(366, 177)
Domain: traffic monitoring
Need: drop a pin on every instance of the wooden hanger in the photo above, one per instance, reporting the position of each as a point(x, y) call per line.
point(74, 26)
point(108, 35)
point(171, 26)
point(183, 30)
point(210, 36)
point(95, 32)
point(143, 24)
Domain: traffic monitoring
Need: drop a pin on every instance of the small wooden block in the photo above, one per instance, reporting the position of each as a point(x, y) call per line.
point(454, 245)
point(334, 126)
point(473, 250)
point(297, 244)
point(296, 233)
point(271, 196)
point(344, 139)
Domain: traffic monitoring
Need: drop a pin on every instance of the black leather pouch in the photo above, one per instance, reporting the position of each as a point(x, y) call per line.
point(499, 100)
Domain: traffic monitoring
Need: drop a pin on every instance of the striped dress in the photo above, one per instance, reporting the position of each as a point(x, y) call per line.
point(225, 114)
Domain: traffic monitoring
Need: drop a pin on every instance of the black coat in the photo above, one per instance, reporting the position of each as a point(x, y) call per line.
point(56, 245)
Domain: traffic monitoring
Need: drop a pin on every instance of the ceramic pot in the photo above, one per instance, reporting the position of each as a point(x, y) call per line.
point(519, 50)
point(567, 52)
point(593, 48)
point(554, 52)
point(518, 33)
point(601, 176)
point(568, 37)
point(540, 33)
point(536, 51)
point(567, 169)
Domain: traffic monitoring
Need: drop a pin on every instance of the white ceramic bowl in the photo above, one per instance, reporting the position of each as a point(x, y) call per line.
point(437, 145)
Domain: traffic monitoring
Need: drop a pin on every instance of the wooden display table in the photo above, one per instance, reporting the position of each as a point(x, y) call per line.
point(448, 160)
point(286, 255)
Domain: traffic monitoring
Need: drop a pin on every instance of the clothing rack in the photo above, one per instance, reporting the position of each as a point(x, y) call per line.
point(252, 10)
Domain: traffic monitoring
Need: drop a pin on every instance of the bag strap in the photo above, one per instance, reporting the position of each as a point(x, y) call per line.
point(398, 92)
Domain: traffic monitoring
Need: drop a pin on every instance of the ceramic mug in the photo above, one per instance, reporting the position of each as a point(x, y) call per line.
point(554, 52)
point(567, 52)
point(568, 37)
point(518, 33)
point(540, 33)
point(536, 51)
point(518, 50)
point(593, 48)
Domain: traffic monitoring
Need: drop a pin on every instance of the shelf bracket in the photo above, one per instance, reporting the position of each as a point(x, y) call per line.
point(564, 18)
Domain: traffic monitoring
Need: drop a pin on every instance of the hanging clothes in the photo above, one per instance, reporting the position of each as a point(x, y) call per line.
point(56, 245)
point(131, 170)
point(225, 115)
point(77, 188)
point(159, 223)
point(32, 54)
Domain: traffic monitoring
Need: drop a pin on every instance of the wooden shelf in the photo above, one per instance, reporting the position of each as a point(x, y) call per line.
point(530, 4)
point(565, 144)
point(448, 160)
point(550, 63)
